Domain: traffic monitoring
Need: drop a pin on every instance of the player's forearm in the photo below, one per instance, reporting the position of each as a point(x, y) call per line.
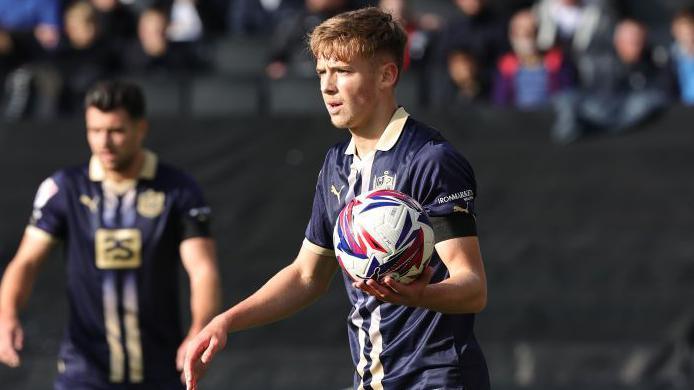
point(466, 293)
point(205, 297)
point(21, 272)
point(15, 288)
point(283, 295)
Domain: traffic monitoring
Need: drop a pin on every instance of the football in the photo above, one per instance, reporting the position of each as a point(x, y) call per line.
point(383, 233)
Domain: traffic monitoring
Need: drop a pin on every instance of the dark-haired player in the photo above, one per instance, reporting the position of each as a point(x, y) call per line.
point(416, 336)
point(125, 220)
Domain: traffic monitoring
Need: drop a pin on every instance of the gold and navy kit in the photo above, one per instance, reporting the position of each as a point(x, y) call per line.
point(121, 248)
point(398, 347)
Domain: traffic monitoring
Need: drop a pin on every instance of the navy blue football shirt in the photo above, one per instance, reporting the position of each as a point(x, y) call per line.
point(393, 346)
point(121, 243)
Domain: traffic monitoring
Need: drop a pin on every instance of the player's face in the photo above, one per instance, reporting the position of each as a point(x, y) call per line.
point(114, 137)
point(350, 91)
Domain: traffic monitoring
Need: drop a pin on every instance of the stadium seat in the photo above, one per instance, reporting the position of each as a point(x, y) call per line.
point(240, 56)
point(295, 95)
point(211, 96)
point(163, 96)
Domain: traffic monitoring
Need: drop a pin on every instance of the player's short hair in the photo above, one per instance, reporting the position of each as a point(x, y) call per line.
point(365, 32)
point(112, 95)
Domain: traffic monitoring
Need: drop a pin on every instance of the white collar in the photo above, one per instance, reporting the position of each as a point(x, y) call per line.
point(390, 135)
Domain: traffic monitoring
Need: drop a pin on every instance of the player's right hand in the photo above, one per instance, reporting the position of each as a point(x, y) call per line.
point(11, 341)
point(201, 349)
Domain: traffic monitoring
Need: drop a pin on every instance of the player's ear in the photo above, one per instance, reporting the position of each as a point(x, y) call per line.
point(142, 126)
point(389, 74)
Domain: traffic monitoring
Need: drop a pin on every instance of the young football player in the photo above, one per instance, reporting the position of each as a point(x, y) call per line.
point(402, 336)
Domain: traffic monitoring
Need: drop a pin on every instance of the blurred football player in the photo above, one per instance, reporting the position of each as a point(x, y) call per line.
point(125, 220)
point(402, 336)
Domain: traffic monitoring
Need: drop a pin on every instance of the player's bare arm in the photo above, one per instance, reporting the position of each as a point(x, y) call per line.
point(200, 262)
point(465, 291)
point(15, 289)
point(291, 289)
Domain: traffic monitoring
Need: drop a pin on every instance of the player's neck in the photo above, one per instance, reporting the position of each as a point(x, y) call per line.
point(131, 172)
point(366, 137)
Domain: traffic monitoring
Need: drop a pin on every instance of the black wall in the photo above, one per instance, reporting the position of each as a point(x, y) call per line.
point(587, 247)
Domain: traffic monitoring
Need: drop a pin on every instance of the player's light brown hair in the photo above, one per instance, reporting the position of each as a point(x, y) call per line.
point(366, 32)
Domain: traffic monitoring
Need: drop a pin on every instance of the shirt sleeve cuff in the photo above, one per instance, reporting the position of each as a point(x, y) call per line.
point(317, 249)
point(39, 233)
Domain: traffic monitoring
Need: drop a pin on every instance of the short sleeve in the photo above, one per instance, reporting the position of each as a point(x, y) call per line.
point(319, 232)
point(49, 209)
point(444, 183)
point(195, 212)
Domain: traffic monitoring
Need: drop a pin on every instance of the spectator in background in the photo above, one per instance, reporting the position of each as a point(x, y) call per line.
point(152, 53)
point(116, 22)
point(28, 30)
point(419, 29)
point(625, 88)
point(682, 54)
point(288, 53)
point(259, 17)
point(527, 77)
point(478, 31)
point(12, 83)
point(575, 25)
point(480, 34)
point(185, 24)
point(83, 57)
point(464, 72)
point(185, 33)
point(458, 82)
point(8, 59)
point(6, 47)
point(41, 18)
point(213, 14)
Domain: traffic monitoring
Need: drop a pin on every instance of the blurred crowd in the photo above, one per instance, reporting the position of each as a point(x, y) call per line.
point(589, 60)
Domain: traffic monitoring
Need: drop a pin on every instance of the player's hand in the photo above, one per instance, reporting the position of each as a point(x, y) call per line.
point(11, 341)
point(201, 349)
point(396, 292)
point(181, 352)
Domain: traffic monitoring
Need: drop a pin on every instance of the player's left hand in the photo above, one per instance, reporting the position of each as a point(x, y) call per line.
point(201, 349)
point(396, 292)
point(181, 353)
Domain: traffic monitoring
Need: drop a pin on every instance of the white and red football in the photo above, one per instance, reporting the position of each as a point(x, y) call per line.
point(383, 233)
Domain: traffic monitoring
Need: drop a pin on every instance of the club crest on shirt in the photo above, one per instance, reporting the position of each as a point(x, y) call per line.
point(384, 182)
point(150, 203)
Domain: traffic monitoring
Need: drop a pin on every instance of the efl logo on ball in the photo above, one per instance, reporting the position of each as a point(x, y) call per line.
point(383, 233)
